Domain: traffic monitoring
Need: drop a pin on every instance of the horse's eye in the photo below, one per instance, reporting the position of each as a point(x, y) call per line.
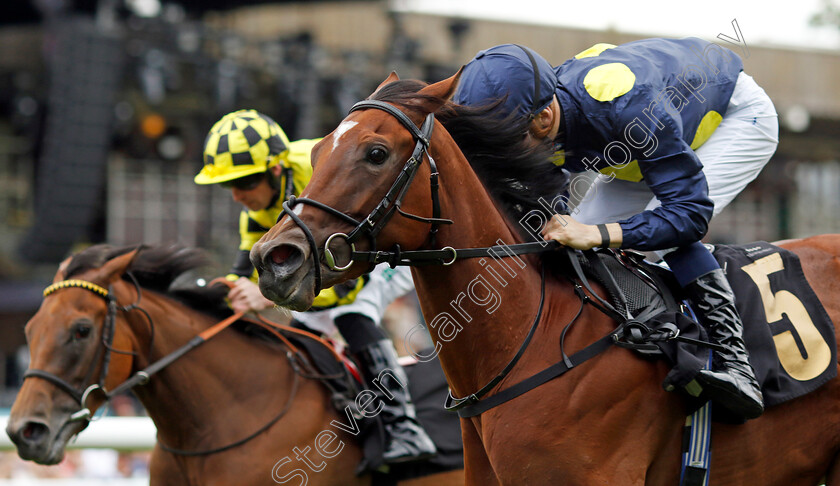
point(377, 155)
point(81, 331)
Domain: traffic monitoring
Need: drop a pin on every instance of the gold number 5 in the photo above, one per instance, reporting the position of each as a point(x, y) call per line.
point(817, 356)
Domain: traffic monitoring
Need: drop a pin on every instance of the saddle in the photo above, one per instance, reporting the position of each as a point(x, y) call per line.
point(657, 322)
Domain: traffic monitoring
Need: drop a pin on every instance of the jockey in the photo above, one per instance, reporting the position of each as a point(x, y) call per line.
point(676, 130)
point(248, 153)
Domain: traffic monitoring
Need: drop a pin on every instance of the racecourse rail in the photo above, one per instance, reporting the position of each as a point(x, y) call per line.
point(120, 433)
point(124, 434)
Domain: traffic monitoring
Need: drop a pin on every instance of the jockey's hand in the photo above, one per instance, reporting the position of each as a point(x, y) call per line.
point(566, 230)
point(246, 296)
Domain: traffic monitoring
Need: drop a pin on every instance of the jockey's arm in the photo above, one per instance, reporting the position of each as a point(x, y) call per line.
point(566, 230)
point(246, 296)
point(682, 217)
point(685, 208)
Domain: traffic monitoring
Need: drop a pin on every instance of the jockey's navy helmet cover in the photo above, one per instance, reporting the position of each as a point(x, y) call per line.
point(524, 76)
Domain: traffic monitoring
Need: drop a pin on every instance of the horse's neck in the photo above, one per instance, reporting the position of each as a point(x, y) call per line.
point(191, 396)
point(489, 303)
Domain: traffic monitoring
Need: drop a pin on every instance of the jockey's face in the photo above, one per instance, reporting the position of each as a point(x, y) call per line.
point(255, 198)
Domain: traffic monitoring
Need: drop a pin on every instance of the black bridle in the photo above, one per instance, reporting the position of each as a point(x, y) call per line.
point(81, 394)
point(299, 364)
point(391, 203)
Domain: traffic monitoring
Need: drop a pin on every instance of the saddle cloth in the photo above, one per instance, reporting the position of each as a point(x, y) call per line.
point(789, 335)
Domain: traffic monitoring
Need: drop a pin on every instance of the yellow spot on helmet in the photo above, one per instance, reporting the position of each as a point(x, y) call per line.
point(242, 143)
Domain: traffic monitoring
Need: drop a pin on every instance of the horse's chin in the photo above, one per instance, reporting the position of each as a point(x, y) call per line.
point(52, 457)
point(291, 293)
point(51, 452)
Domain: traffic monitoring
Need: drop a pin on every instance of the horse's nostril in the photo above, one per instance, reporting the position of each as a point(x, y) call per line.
point(33, 432)
point(281, 254)
point(285, 259)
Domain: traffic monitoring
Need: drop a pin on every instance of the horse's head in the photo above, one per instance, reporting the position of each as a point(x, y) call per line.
point(68, 342)
point(361, 195)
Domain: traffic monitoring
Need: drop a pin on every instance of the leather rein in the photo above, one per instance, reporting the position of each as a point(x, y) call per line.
point(299, 363)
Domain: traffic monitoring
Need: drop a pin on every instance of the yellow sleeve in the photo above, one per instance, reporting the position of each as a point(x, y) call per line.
point(341, 294)
point(299, 159)
point(249, 233)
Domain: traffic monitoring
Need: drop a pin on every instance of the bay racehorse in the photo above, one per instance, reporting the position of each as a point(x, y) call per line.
point(392, 177)
point(236, 394)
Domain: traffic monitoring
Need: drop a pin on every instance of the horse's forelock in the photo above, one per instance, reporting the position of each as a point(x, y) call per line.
point(399, 91)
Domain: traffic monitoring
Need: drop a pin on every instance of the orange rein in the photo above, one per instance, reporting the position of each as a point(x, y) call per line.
point(267, 324)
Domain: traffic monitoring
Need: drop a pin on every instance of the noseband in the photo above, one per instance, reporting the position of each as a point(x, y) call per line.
point(391, 203)
point(78, 394)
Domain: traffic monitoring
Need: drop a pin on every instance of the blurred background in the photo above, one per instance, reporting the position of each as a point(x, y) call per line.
point(104, 105)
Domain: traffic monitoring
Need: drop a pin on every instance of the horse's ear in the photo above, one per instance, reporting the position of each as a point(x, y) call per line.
point(390, 79)
point(59, 274)
point(443, 89)
point(116, 267)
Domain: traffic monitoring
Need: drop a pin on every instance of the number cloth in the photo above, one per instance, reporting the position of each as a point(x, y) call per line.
point(788, 333)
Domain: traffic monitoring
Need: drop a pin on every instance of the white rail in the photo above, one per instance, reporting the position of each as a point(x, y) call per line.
point(121, 433)
point(75, 482)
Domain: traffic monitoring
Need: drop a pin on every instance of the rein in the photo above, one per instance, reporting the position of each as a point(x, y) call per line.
point(294, 356)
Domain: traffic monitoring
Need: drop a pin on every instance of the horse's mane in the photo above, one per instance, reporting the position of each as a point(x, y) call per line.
point(156, 268)
point(515, 175)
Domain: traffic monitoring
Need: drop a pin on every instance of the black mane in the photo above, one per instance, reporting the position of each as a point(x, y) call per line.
point(514, 174)
point(155, 268)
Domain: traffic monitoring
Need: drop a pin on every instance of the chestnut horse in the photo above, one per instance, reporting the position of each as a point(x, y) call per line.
point(606, 421)
point(235, 390)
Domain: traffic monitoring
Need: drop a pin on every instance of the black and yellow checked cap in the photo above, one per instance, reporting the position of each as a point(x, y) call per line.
point(242, 143)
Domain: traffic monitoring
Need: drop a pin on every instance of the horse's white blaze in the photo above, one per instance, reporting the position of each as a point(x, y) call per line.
point(341, 130)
